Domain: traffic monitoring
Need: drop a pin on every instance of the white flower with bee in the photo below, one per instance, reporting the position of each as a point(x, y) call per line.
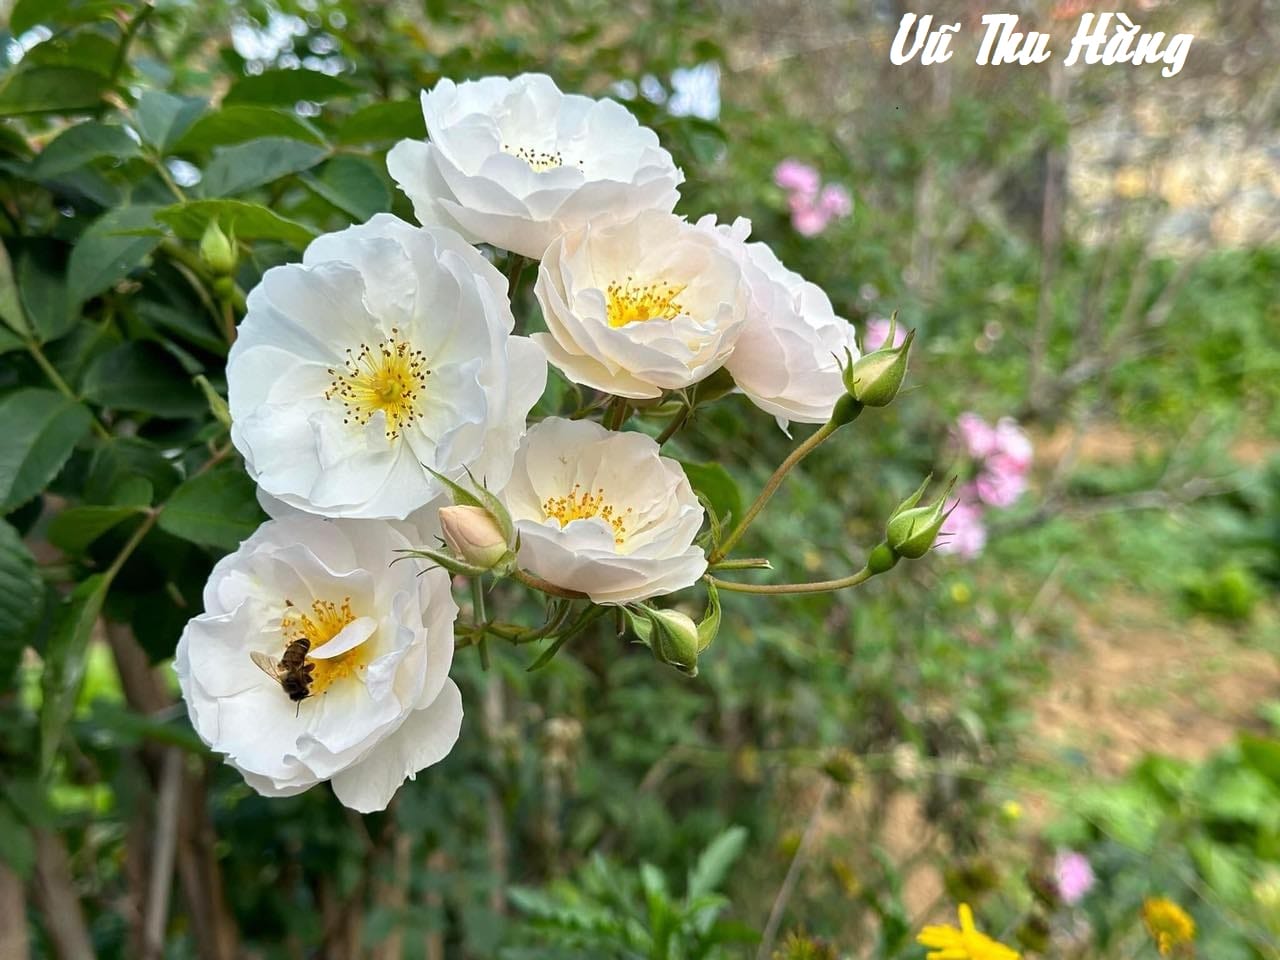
point(603, 514)
point(314, 660)
point(515, 162)
point(387, 351)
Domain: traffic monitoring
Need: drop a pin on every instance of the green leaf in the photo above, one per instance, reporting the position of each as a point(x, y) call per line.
point(384, 123)
point(238, 124)
point(61, 13)
point(64, 662)
point(248, 165)
point(284, 88)
point(121, 461)
point(75, 528)
point(10, 341)
point(37, 89)
point(21, 595)
point(162, 118)
point(106, 252)
point(142, 376)
point(82, 144)
point(42, 285)
point(247, 221)
point(215, 509)
point(714, 863)
point(10, 306)
point(1263, 754)
point(353, 185)
point(717, 486)
point(17, 846)
point(41, 428)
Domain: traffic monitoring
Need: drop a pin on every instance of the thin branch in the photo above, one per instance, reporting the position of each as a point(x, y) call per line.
point(820, 586)
point(788, 887)
point(156, 914)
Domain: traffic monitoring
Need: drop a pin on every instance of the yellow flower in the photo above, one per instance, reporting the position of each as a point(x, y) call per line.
point(1169, 925)
point(967, 943)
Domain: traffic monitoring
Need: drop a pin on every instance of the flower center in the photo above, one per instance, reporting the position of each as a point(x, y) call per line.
point(539, 160)
point(325, 622)
point(634, 304)
point(581, 504)
point(390, 377)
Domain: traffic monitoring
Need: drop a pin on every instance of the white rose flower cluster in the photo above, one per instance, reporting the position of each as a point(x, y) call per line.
point(372, 378)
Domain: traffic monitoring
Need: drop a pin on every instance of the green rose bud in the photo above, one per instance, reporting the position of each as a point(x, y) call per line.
point(217, 250)
point(912, 531)
point(875, 379)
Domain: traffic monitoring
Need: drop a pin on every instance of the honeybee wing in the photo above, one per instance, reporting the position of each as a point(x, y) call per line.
point(266, 663)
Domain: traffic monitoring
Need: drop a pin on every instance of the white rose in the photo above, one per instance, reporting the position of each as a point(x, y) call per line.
point(516, 163)
point(602, 513)
point(379, 705)
point(635, 307)
point(388, 348)
point(788, 358)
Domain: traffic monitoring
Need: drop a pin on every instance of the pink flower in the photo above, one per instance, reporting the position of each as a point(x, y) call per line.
point(791, 174)
point(1074, 876)
point(878, 333)
point(807, 219)
point(1001, 481)
point(1011, 441)
point(978, 436)
point(835, 201)
point(963, 532)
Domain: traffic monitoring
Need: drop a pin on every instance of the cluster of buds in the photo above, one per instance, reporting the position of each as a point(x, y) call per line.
point(874, 379)
point(912, 528)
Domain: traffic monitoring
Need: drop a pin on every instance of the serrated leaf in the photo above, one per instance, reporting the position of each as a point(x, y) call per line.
point(713, 865)
point(10, 305)
point(106, 251)
point(284, 88)
point(215, 509)
point(64, 662)
point(162, 118)
point(255, 162)
point(353, 185)
point(21, 596)
point(717, 486)
point(42, 287)
point(121, 461)
point(142, 376)
point(41, 428)
point(244, 220)
point(384, 123)
point(75, 528)
point(238, 124)
point(80, 145)
point(42, 89)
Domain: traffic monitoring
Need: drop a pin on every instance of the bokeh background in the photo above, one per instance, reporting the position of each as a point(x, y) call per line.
point(1089, 251)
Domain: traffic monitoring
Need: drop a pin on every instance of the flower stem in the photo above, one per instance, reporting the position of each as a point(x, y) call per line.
point(746, 563)
point(62, 386)
point(820, 586)
point(674, 427)
point(771, 487)
point(616, 415)
point(546, 586)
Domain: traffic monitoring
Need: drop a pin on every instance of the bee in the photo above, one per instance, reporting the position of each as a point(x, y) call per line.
point(292, 672)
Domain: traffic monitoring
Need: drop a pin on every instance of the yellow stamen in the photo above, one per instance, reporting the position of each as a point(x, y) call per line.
point(391, 377)
point(539, 160)
point(581, 504)
point(325, 622)
point(650, 301)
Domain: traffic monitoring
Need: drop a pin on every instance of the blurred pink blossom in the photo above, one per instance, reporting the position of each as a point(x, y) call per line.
point(1012, 441)
point(799, 177)
point(807, 218)
point(1074, 876)
point(1001, 481)
point(977, 436)
point(878, 332)
point(963, 532)
point(835, 201)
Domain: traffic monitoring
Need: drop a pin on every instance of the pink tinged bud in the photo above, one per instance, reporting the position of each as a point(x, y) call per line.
point(976, 435)
point(835, 201)
point(1074, 876)
point(793, 175)
point(473, 535)
point(963, 532)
